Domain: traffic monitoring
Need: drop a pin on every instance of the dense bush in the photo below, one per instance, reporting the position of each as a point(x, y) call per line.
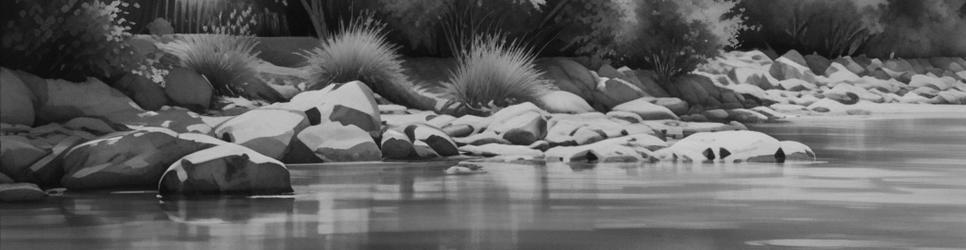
point(673, 37)
point(229, 62)
point(358, 51)
point(70, 39)
point(494, 72)
point(921, 28)
point(831, 28)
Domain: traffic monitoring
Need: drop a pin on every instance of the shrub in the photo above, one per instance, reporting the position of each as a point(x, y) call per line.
point(359, 51)
point(923, 28)
point(673, 37)
point(229, 62)
point(493, 73)
point(69, 39)
point(831, 28)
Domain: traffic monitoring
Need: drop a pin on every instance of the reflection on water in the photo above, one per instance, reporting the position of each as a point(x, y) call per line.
point(885, 183)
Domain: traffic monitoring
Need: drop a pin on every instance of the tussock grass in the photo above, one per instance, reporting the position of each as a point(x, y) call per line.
point(229, 62)
point(358, 51)
point(494, 72)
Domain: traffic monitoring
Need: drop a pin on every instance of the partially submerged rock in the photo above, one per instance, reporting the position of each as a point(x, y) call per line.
point(225, 169)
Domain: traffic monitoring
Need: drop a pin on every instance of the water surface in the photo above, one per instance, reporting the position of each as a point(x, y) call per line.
point(886, 183)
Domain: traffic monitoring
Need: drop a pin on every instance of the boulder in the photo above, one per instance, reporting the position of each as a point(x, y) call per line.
point(494, 149)
point(336, 142)
point(350, 103)
point(60, 101)
point(631, 148)
point(178, 119)
point(570, 76)
point(676, 105)
point(757, 77)
point(817, 63)
point(4, 179)
point(913, 98)
point(726, 146)
point(791, 66)
point(48, 171)
point(132, 159)
point(487, 137)
point(396, 145)
point(461, 130)
point(646, 109)
point(953, 96)
point(558, 101)
point(147, 94)
point(625, 116)
point(435, 139)
point(94, 126)
point(796, 85)
point(645, 80)
point(716, 115)
point(16, 99)
point(522, 129)
point(796, 151)
point(16, 156)
point(927, 92)
point(441, 121)
point(19, 192)
point(267, 131)
point(225, 169)
point(746, 116)
point(189, 89)
point(886, 86)
point(847, 94)
point(392, 109)
point(850, 65)
point(618, 91)
point(838, 73)
point(919, 81)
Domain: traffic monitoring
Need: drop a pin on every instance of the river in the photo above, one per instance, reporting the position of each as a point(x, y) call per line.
point(892, 182)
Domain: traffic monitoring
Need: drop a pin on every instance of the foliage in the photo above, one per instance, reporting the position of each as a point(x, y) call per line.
point(921, 28)
point(160, 27)
point(70, 39)
point(358, 51)
point(590, 27)
point(229, 62)
point(831, 28)
point(237, 22)
point(673, 37)
point(494, 72)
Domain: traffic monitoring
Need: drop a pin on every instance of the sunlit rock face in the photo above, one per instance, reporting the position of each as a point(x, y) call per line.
point(225, 169)
point(728, 146)
point(267, 131)
point(133, 159)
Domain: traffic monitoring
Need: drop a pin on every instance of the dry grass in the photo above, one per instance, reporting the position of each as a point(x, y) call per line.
point(229, 62)
point(494, 72)
point(358, 51)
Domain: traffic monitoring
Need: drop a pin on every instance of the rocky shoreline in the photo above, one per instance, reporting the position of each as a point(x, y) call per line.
point(91, 136)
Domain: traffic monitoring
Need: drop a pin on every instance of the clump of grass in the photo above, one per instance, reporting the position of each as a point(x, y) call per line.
point(494, 72)
point(229, 62)
point(357, 51)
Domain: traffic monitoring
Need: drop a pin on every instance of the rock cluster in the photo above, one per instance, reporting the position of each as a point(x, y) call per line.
point(815, 85)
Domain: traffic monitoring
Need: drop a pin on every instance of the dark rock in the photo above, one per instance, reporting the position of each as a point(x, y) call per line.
point(60, 101)
point(396, 145)
point(225, 169)
point(647, 110)
point(16, 156)
point(48, 171)
point(522, 129)
point(817, 63)
point(791, 66)
point(16, 99)
point(459, 130)
point(19, 192)
point(147, 94)
point(4, 179)
point(189, 89)
point(646, 81)
point(132, 159)
point(570, 76)
point(436, 139)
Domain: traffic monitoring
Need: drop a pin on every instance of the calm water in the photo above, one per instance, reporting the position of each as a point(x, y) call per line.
point(893, 183)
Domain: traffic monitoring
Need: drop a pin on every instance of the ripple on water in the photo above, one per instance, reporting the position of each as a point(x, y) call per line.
point(825, 243)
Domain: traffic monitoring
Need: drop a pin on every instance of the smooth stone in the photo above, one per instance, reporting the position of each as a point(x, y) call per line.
point(436, 139)
point(267, 131)
point(558, 101)
point(19, 192)
point(646, 109)
point(189, 89)
point(225, 169)
point(16, 100)
point(146, 93)
point(462, 130)
point(396, 145)
point(337, 142)
point(488, 150)
point(487, 137)
point(16, 156)
point(796, 151)
point(522, 129)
